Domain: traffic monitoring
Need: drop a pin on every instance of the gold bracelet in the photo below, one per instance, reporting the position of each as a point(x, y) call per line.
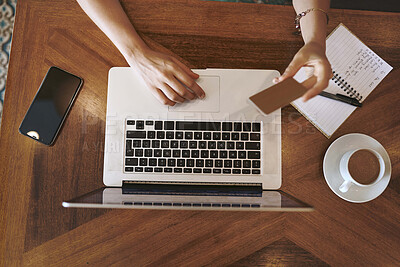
point(302, 14)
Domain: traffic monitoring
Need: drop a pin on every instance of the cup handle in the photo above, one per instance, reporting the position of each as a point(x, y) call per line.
point(345, 186)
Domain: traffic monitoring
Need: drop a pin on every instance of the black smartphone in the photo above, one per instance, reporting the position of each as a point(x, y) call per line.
point(50, 106)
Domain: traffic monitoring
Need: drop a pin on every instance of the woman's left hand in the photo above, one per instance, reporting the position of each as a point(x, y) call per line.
point(310, 55)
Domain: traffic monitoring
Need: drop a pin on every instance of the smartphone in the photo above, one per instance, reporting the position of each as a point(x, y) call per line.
point(51, 104)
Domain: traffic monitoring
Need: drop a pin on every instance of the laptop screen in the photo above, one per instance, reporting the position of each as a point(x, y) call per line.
point(189, 197)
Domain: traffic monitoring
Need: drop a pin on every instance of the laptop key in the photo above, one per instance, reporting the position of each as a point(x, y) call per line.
point(223, 154)
point(235, 136)
point(164, 144)
point(128, 144)
point(174, 144)
point(136, 134)
point(146, 143)
point(245, 171)
point(227, 126)
point(237, 163)
point(169, 125)
point(184, 144)
point(209, 163)
point(151, 134)
point(253, 155)
point(148, 169)
point(176, 153)
point(138, 169)
point(244, 136)
point(212, 144)
point(160, 135)
point(240, 145)
point(221, 145)
point(162, 162)
point(227, 163)
point(256, 163)
point(138, 152)
point(195, 153)
point(196, 170)
point(246, 127)
point(230, 145)
point(187, 170)
point(155, 143)
point(217, 136)
point(178, 135)
point(152, 162)
point(255, 171)
point(216, 170)
point(199, 162)
point(255, 137)
point(131, 162)
point(192, 144)
point(252, 145)
point(202, 144)
point(178, 170)
point(171, 162)
point(218, 163)
point(188, 135)
point(167, 169)
point(236, 171)
point(129, 169)
point(242, 154)
point(206, 170)
point(180, 162)
point(167, 153)
point(207, 136)
point(149, 122)
point(185, 153)
point(169, 135)
point(198, 135)
point(130, 122)
point(157, 153)
point(190, 162)
point(204, 154)
point(237, 126)
point(158, 125)
point(226, 171)
point(256, 126)
point(232, 154)
point(246, 164)
point(139, 125)
point(143, 162)
point(214, 154)
point(136, 143)
point(148, 153)
point(129, 153)
point(226, 136)
point(158, 170)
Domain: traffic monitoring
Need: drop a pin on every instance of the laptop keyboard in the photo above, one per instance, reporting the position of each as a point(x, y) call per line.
point(193, 147)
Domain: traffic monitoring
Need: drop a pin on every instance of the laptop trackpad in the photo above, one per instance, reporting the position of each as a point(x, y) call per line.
point(210, 103)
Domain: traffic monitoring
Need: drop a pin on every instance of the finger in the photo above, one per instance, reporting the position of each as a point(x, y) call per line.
point(171, 94)
point(180, 88)
point(292, 69)
point(323, 73)
point(190, 83)
point(185, 68)
point(161, 97)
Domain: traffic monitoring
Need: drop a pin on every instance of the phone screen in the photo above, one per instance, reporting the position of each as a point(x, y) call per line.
point(50, 105)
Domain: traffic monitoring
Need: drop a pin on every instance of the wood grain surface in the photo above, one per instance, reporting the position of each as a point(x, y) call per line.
point(36, 230)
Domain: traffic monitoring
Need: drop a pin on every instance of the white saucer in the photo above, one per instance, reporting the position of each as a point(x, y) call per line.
point(332, 174)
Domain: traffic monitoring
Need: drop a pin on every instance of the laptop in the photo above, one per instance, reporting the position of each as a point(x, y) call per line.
point(216, 153)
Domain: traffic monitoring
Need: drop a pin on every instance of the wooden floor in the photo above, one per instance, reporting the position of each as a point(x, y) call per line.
point(35, 230)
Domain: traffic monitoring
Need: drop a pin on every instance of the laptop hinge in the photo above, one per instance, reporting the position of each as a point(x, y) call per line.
point(132, 187)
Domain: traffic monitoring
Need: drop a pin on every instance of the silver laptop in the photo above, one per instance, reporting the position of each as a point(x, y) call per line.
point(214, 153)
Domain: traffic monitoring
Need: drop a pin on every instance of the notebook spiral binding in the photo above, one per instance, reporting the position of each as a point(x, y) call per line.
point(347, 88)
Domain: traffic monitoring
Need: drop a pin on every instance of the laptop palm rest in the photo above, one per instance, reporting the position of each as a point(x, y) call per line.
point(211, 86)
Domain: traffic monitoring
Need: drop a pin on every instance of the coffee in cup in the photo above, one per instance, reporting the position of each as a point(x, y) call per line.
point(361, 167)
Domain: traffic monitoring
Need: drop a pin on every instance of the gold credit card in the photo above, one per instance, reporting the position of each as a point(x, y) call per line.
point(277, 96)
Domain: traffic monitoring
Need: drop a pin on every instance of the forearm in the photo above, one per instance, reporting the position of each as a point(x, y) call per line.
point(109, 16)
point(313, 25)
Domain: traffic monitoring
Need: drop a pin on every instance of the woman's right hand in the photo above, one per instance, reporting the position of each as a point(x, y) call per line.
point(168, 79)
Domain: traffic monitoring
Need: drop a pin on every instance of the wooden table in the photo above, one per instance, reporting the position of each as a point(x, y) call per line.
point(35, 179)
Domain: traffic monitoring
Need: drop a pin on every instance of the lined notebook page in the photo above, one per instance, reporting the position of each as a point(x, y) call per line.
point(359, 67)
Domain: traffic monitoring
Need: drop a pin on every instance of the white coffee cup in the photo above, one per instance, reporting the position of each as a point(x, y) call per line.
point(348, 179)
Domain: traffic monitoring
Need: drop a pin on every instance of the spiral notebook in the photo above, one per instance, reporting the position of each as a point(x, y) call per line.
point(357, 71)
